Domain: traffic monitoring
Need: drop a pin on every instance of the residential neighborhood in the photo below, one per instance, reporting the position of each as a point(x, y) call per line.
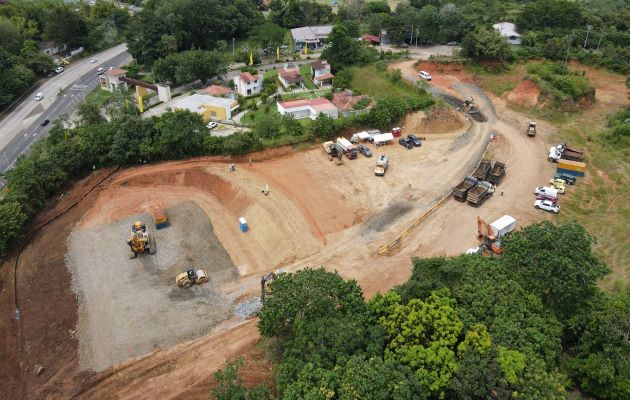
point(314, 199)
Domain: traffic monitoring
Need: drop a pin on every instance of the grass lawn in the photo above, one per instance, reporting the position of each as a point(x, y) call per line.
point(498, 83)
point(99, 97)
point(374, 83)
point(305, 95)
point(250, 115)
point(305, 71)
point(270, 74)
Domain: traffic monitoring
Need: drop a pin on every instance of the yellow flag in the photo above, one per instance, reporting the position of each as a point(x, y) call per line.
point(278, 52)
point(141, 104)
point(251, 58)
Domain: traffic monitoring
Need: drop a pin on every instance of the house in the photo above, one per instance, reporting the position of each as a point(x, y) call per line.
point(247, 84)
point(307, 108)
point(219, 91)
point(113, 79)
point(210, 107)
point(51, 48)
point(312, 36)
point(366, 37)
point(290, 76)
point(346, 102)
point(508, 31)
point(320, 71)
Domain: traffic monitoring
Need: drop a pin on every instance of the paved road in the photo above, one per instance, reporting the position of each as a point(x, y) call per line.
point(20, 129)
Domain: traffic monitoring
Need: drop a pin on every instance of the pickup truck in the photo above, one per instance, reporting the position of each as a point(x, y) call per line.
point(482, 170)
point(461, 191)
point(497, 173)
point(382, 163)
point(479, 193)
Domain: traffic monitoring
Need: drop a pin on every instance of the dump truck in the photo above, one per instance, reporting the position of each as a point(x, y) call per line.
point(531, 129)
point(479, 193)
point(348, 148)
point(381, 165)
point(572, 154)
point(482, 170)
point(497, 173)
point(461, 191)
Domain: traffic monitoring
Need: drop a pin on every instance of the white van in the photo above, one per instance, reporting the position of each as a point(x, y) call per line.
point(425, 75)
point(39, 96)
point(546, 191)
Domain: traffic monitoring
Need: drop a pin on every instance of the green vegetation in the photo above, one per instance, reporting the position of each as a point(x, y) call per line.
point(466, 327)
point(377, 82)
point(562, 85)
point(191, 65)
point(98, 97)
point(305, 71)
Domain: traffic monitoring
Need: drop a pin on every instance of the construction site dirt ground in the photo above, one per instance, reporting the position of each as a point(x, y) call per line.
point(316, 214)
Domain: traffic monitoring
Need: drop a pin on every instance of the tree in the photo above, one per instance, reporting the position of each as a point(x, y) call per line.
point(35, 59)
point(323, 127)
point(550, 14)
point(268, 36)
point(189, 66)
point(231, 387)
point(328, 296)
point(486, 43)
point(296, 13)
point(267, 125)
point(343, 51)
point(90, 114)
point(556, 262)
point(10, 37)
point(12, 219)
point(387, 111)
point(343, 79)
point(179, 135)
point(64, 26)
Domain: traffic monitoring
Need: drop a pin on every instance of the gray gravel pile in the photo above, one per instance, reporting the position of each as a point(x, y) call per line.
point(248, 308)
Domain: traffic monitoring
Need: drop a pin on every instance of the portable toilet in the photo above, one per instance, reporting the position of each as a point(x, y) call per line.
point(396, 132)
point(243, 224)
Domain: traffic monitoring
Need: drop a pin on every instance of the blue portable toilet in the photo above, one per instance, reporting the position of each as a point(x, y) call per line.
point(243, 224)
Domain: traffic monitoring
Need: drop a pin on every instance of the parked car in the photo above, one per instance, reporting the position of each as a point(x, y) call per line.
point(406, 143)
point(547, 205)
point(425, 75)
point(93, 60)
point(39, 96)
point(453, 43)
point(414, 139)
point(100, 70)
point(59, 70)
point(569, 179)
point(363, 149)
point(212, 125)
point(558, 184)
point(547, 191)
point(45, 122)
point(545, 197)
point(50, 74)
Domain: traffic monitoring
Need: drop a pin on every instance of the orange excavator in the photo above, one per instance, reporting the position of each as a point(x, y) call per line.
point(487, 238)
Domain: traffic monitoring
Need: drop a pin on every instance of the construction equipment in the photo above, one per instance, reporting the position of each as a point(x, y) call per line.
point(264, 281)
point(189, 277)
point(489, 234)
point(381, 165)
point(468, 102)
point(483, 169)
point(348, 148)
point(159, 217)
point(334, 151)
point(497, 173)
point(479, 193)
point(461, 191)
point(531, 129)
point(140, 241)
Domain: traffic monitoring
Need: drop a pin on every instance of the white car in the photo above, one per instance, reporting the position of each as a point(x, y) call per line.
point(93, 60)
point(546, 191)
point(547, 205)
point(212, 125)
point(59, 70)
point(100, 70)
point(424, 75)
point(39, 96)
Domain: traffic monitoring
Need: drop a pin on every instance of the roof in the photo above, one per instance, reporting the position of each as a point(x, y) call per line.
point(324, 77)
point(311, 33)
point(506, 29)
point(371, 38)
point(319, 64)
point(319, 104)
point(346, 100)
point(247, 77)
point(217, 90)
point(196, 102)
point(115, 71)
point(291, 75)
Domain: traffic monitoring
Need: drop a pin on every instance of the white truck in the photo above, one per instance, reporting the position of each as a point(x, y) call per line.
point(348, 148)
point(381, 165)
point(503, 225)
point(361, 137)
point(383, 138)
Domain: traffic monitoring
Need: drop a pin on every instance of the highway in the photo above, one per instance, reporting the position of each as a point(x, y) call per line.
point(62, 94)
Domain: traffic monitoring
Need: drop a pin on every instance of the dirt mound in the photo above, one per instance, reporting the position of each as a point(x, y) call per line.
point(526, 94)
point(438, 120)
point(442, 68)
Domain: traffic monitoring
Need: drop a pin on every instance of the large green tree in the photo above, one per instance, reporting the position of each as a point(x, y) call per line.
point(486, 43)
point(12, 219)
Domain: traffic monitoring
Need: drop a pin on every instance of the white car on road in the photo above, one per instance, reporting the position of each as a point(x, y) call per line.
point(547, 205)
point(93, 60)
point(546, 191)
point(59, 70)
point(100, 70)
point(212, 125)
point(424, 75)
point(39, 96)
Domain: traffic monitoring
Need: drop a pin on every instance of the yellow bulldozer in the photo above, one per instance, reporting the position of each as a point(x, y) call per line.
point(140, 241)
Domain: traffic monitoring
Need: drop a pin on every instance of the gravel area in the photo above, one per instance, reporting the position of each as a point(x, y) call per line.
point(129, 307)
point(248, 308)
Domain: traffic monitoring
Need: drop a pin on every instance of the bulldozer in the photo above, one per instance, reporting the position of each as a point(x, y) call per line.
point(489, 243)
point(140, 241)
point(189, 277)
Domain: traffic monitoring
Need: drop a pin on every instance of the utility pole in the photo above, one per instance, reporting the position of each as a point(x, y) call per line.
point(417, 37)
point(232, 47)
point(600, 39)
point(411, 43)
point(589, 27)
point(566, 59)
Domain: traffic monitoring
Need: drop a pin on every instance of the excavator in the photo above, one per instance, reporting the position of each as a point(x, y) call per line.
point(486, 236)
point(265, 280)
point(140, 241)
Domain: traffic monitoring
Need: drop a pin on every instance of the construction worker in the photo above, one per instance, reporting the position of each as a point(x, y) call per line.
point(250, 161)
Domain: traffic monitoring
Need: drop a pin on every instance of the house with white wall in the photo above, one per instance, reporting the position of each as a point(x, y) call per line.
point(290, 76)
point(308, 108)
point(247, 84)
point(508, 31)
point(320, 71)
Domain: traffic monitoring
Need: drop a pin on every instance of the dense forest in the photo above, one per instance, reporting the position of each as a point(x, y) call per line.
point(530, 325)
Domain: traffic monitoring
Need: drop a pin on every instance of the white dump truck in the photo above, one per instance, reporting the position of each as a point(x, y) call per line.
point(381, 165)
point(348, 148)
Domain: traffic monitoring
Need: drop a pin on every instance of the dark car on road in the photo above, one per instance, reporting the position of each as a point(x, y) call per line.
point(406, 143)
point(45, 122)
point(569, 179)
point(363, 149)
point(414, 139)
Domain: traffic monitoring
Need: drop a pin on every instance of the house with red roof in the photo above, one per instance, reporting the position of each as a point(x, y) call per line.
point(247, 84)
point(290, 76)
point(219, 91)
point(111, 79)
point(347, 103)
point(308, 108)
point(366, 37)
point(320, 71)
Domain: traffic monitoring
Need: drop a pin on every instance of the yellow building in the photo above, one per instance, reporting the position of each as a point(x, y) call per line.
point(211, 108)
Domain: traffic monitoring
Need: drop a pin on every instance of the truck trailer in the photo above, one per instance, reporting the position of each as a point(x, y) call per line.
point(479, 193)
point(461, 191)
point(348, 148)
point(497, 173)
point(482, 170)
